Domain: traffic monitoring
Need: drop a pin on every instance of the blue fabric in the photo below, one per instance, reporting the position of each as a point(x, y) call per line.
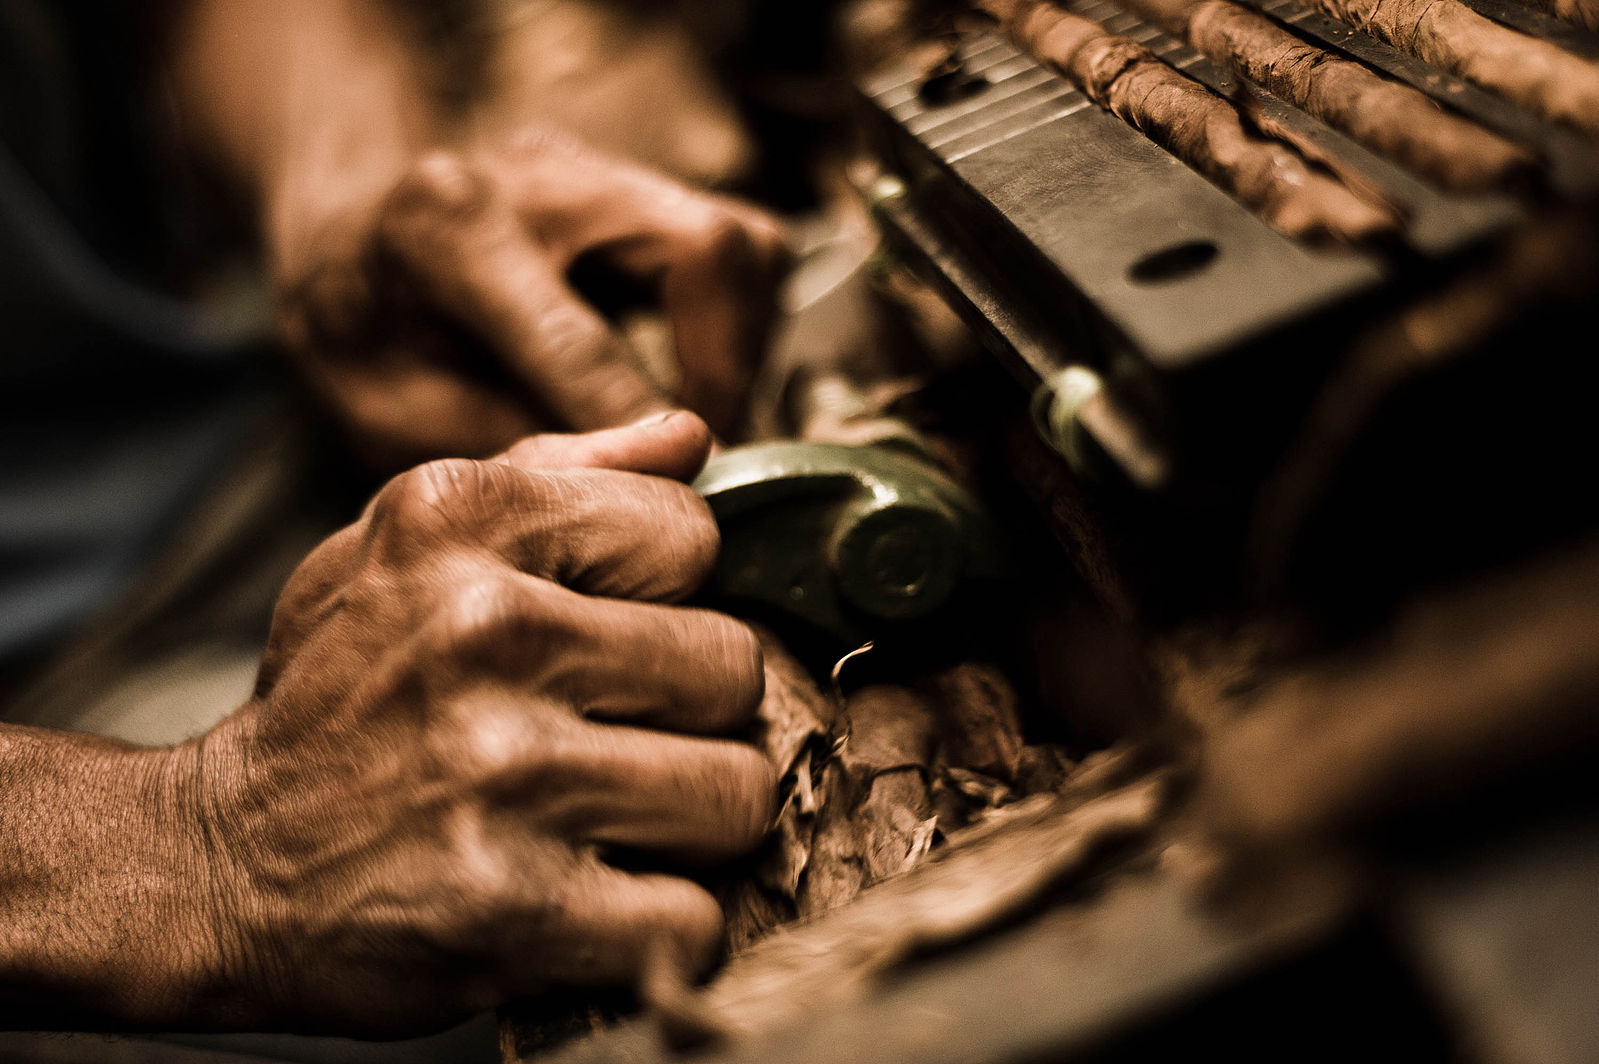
point(117, 403)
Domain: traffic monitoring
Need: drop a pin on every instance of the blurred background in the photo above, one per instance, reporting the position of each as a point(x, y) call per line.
point(1272, 672)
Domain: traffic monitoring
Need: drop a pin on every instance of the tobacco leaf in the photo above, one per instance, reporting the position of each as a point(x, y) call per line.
point(870, 787)
point(980, 878)
point(980, 727)
point(794, 729)
point(874, 798)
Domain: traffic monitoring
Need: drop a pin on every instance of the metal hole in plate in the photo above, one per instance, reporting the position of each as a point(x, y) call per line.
point(950, 86)
point(1173, 263)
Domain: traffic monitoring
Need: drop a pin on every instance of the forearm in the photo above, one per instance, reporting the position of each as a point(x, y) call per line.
point(109, 913)
point(296, 98)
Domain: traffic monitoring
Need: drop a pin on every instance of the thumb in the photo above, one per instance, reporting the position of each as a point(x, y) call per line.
point(674, 445)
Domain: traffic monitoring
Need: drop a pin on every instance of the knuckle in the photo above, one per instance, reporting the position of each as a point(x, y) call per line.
point(439, 185)
point(629, 534)
point(675, 536)
point(494, 744)
point(737, 243)
point(724, 243)
point(489, 880)
point(489, 746)
point(396, 502)
point(481, 613)
point(482, 874)
point(429, 496)
point(502, 626)
point(326, 304)
point(423, 214)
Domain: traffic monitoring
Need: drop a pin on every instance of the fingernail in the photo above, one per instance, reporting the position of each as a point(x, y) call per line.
point(651, 420)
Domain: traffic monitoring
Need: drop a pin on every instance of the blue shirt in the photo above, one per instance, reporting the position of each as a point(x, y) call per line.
point(118, 400)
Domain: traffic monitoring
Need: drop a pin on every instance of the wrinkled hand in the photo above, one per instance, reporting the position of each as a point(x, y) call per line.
point(471, 698)
point(437, 315)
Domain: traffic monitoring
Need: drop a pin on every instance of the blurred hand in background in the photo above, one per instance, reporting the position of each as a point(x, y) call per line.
point(425, 272)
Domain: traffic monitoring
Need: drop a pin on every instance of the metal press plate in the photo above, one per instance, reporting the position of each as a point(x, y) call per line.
point(1038, 161)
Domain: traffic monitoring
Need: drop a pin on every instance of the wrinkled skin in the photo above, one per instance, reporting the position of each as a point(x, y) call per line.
point(485, 744)
point(473, 693)
point(388, 304)
point(472, 699)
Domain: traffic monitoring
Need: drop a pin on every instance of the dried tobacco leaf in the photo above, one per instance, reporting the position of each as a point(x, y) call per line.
point(794, 729)
point(977, 880)
point(874, 798)
point(869, 789)
point(980, 724)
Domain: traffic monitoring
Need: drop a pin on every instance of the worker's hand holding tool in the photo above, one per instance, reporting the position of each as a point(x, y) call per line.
point(437, 316)
point(471, 698)
point(482, 746)
point(473, 701)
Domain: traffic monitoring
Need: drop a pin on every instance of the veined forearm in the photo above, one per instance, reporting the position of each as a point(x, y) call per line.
point(107, 911)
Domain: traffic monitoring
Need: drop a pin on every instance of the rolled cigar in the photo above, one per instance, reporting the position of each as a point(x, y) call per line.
point(1535, 74)
point(1584, 13)
point(1195, 124)
point(1389, 117)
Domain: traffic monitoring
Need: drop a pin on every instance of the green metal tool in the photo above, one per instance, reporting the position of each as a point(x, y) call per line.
point(852, 539)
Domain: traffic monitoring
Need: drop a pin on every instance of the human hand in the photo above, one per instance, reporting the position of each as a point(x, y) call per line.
point(470, 699)
point(435, 313)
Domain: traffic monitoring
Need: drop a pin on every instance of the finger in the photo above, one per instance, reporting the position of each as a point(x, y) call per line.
point(673, 445)
point(617, 919)
point(475, 259)
point(606, 533)
point(564, 350)
point(577, 199)
point(717, 263)
point(671, 668)
point(692, 799)
point(668, 667)
point(720, 292)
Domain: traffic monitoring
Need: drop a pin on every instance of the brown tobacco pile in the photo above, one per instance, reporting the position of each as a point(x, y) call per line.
point(869, 786)
point(984, 876)
point(1193, 123)
point(1537, 75)
point(1387, 116)
point(870, 789)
